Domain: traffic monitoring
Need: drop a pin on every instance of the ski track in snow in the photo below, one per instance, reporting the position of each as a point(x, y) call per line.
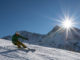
point(9, 52)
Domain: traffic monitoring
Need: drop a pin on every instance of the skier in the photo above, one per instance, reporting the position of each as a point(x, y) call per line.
point(15, 40)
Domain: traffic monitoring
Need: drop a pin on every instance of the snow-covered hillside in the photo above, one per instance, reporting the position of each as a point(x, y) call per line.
point(9, 52)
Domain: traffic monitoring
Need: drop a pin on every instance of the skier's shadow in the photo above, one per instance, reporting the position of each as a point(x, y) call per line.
point(9, 53)
point(6, 53)
point(28, 50)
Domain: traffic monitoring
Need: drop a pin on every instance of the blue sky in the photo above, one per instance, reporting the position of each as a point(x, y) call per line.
point(37, 16)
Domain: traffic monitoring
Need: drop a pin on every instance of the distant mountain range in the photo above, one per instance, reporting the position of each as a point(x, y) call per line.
point(57, 38)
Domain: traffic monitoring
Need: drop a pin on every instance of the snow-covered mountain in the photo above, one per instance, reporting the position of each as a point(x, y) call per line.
point(60, 39)
point(33, 37)
point(55, 38)
point(8, 51)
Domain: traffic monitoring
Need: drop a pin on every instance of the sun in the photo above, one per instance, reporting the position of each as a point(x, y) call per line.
point(67, 23)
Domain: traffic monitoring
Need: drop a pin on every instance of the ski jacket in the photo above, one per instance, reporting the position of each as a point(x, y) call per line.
point(15, 38)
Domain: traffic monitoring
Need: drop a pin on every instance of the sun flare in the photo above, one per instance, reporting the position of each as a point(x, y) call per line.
point(67, 23)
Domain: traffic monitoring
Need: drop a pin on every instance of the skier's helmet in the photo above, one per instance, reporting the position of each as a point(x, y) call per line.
point(17, 34)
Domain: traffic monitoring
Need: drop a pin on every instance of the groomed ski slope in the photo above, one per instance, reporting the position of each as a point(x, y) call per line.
point(9, 52)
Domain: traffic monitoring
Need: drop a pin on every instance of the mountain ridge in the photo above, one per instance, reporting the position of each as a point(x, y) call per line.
point(55, 38)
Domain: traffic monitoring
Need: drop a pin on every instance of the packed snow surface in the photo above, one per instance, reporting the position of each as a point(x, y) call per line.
point(8, 51)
